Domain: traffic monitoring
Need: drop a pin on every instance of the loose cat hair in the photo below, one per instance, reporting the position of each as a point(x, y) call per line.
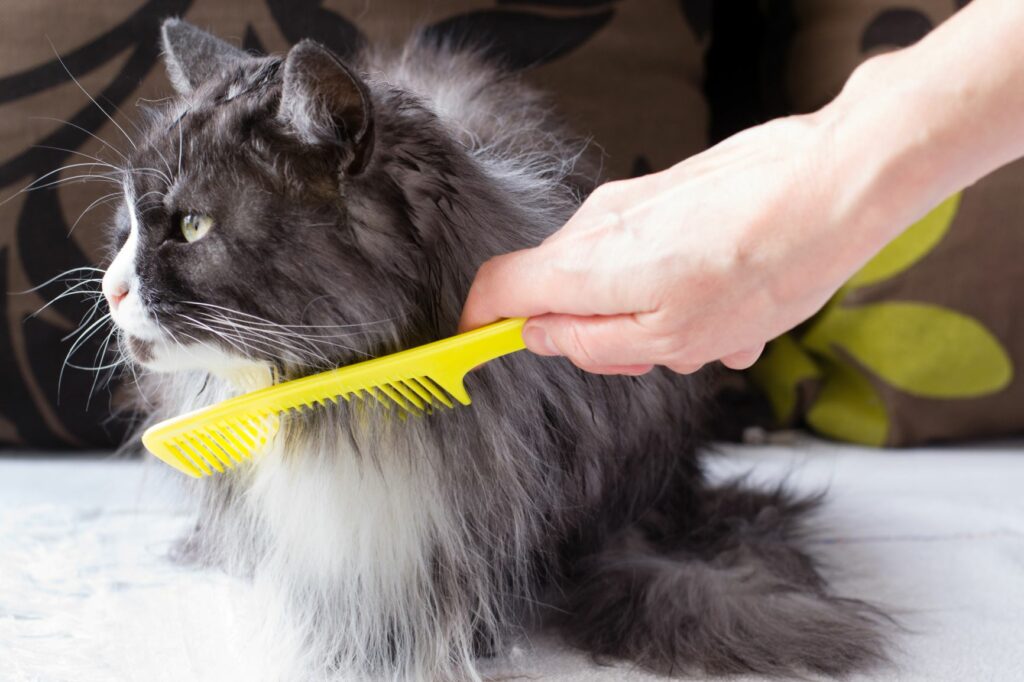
point(351, 204)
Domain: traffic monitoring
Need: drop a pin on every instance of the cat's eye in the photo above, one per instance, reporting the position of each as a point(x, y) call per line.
point(194, 226)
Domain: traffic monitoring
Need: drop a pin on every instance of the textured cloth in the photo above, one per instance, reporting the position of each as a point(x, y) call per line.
point(626, 75)
point(87, 593)
point(926, 343)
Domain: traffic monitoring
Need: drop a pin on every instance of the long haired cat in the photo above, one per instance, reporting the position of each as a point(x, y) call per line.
point(289, 215)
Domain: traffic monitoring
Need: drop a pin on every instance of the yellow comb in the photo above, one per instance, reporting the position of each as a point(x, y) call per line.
point(417, 380)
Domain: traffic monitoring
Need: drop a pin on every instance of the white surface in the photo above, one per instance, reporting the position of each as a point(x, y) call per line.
point(87, 594)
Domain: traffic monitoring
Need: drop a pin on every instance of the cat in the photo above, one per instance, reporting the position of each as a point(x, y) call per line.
point(285, 215)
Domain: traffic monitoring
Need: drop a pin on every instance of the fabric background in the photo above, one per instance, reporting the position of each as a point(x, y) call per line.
point(626, 72)
point(931, 347)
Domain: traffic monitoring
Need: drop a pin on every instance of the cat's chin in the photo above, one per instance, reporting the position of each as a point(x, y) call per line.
point(170, 358)
point(140, 350)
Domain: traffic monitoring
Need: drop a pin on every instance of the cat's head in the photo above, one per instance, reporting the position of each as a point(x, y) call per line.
point(265, 215)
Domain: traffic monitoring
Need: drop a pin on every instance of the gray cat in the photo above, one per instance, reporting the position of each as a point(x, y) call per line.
point(287, 215)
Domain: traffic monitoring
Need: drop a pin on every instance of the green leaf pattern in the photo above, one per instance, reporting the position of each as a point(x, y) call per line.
point(921, 349)
point(907, 249)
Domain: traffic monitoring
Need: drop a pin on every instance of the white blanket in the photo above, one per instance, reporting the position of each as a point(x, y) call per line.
point(87, 594)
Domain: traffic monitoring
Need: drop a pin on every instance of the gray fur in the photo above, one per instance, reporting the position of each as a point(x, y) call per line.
point(404, 550)
point(194, 56)
point(323, 102)
point(734, 593)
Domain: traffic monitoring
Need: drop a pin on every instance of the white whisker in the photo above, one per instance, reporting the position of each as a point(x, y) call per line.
point(86, 92)
point(79, 342)
point(181, 147)
point(287, 336)
point(55, 278)
point(96, 160)
point(264, 321)
point(33, 186)
point(238, 344)
point(103, 199)
point(90, 134)
point(74, 290)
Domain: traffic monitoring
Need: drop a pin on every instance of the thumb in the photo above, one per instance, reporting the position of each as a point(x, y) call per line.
point(593, 342)
point(509, 285)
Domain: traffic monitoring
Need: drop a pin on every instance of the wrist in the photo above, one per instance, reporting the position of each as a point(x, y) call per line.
point(896, 149)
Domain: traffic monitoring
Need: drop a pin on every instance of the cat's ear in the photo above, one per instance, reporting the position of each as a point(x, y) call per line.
point(193, 56)
point(325, 103)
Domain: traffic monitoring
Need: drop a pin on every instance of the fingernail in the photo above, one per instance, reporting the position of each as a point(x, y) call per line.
point(538, 341)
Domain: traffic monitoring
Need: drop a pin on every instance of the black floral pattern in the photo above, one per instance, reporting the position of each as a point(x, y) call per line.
point(896, 27)
point(43, 247)
point(42, 402)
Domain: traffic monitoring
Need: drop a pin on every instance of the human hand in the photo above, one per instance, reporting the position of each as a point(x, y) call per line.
point(715, 256)
point(707, 260)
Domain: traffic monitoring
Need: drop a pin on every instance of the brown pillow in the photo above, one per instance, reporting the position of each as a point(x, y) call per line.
point(626, 73)
point(925, 344)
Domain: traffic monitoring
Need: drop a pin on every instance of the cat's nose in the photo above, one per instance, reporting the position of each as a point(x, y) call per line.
point(115, 292)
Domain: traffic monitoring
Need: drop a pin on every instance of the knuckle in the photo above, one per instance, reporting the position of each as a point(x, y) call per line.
point(685, 367)
point(486, 269)
point(744, 359)
point(489, 275)
point(668, 347)
point(595, 369)
point(679, 357)
point(614, 220)
point(579, 347)
point(733, 363)
point(605, 193)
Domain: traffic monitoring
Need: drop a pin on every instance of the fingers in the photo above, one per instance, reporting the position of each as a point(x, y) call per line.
point(685, 367)
point(497, 291)
point(743, 359)
point(574, 271)
point(614, 344)
point(625, 370)
point(523, 284)
point(546, 279)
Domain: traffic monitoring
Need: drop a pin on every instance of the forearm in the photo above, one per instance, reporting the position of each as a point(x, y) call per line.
point(929, 120)
point(973, 85)
point(732, 247)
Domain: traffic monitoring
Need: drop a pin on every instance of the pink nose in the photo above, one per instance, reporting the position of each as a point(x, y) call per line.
point(116, 294)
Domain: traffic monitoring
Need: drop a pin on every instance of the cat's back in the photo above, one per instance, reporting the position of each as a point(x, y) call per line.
point(492, 111)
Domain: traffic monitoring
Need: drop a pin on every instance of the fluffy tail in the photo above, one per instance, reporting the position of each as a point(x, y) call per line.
point(731, 591)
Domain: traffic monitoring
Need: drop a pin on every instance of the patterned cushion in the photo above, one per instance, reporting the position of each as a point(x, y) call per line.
point(627, 73)
point(926, 343)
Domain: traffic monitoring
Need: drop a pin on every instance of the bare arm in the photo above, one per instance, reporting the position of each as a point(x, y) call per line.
point(715, 256)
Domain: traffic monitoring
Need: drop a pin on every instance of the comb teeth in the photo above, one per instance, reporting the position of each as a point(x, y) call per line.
point(413, 395)
point(217, 446)
point(414, 382)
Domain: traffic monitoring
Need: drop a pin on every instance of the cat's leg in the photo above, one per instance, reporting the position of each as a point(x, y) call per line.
point(224, 534)
point(731, 591)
